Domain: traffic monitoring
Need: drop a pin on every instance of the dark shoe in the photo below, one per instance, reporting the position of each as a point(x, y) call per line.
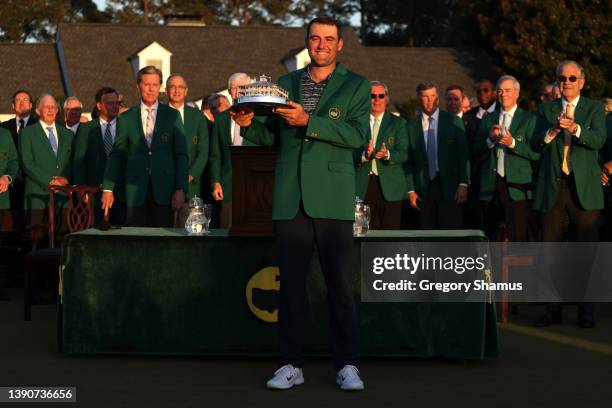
point(550, 317)
point(586, 321)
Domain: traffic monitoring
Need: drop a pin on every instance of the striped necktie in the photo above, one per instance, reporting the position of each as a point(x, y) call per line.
point(375, 131)
point(108, 140)
point(431, 148)
point(52, 139)
point(566, 166)
point(150, 125)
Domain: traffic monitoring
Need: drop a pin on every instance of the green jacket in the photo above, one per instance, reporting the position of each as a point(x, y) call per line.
point(89, 158)
point(315, 163)
point(453, 156)
point(589, 114)
point(9, 164)
point(166, 160)
point(517, 161)
point(195, 128)
point(221, 155)
point(40, 164)
point(394, 134)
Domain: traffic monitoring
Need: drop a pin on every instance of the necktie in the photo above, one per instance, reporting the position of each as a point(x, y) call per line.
point(236, 137)
point(52, 139)
point(21, 125)
point(108, 140)
point(150, 124)
point(375, 130)
point(501, 150)
point(431, 149)
point(566, 166)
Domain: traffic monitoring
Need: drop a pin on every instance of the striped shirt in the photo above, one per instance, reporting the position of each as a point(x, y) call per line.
point(311, 91)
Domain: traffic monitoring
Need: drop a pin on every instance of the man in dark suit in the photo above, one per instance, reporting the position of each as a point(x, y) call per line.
point(314, 197)
point(45, 153)
point(380, 177)
point(225, 134)
point(570, 133)
point(151, 153)
point(506, 178)
point(195, 128)
point(93, 144)
point(22, 106)
point(437, 169)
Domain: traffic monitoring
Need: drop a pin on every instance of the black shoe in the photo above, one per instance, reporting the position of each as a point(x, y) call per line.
point(586, 321)
point(550, 317)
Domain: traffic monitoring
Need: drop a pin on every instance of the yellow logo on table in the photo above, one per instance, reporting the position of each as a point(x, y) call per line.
point(262, 294)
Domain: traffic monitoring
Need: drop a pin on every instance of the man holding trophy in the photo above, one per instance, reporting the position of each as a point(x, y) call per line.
point(314, 196)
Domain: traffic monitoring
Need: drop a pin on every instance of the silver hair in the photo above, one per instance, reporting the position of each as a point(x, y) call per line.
point(149, 69)
point(569, 62)
point(73, 98)
point(43, 96)
point(235, 76)
point(503, 78)
point(381, 84)
point(175, 76)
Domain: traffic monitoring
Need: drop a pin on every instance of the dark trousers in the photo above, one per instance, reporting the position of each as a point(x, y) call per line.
point(438, 213)
point(296, 240)
point(150, 214)
point(502, 210)
point(385, 215)
point(473, 211)
point(567, 220)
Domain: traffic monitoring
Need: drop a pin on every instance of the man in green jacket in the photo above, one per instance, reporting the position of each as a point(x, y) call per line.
point(151, 153)
point(45, 153)
point(9, 166)
point(380, 177)
point(570, 133)
point(437, 169)
point(225, 134)
point(195, 128)
point(314, 197)
point(92, 146)
point(503, 146)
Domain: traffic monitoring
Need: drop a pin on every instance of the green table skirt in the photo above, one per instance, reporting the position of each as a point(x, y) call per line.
point(137, 290)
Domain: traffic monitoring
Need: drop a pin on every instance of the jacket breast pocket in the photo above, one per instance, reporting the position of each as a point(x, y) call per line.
point(340, 167)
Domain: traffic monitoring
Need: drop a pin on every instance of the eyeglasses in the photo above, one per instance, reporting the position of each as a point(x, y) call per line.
point(379, 96)
point(483, 90)
point(563, 78)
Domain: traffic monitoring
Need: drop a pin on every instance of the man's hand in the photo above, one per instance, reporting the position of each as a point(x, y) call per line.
point(178, 199)
point(4, 184)
point(461, 194)
point(294, 116)
point(217, 191)
point(190, 179)
point(569, 124)
point(413, 199)
point(370, 150)
point(495, 133)
point(507, 139)
point(382, 153)
point(605, 179)
point(107, 201)
point(242, 117)
point(59, 181)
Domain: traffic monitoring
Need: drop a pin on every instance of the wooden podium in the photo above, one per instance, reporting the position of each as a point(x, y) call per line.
point(252, 190)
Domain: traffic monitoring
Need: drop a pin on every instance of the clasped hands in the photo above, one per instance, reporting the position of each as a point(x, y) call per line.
point(382, 154)
point(563, 122)
point(497, 137)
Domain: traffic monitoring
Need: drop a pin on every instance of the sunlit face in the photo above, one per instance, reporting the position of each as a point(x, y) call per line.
point(323, 44)
point(235, 84)
point(47, 109)
point(428, 99)
point(176, 87)
point(570, 81)
point(149, 87)
point(108, 107)
point(453, 101)
point(507, 94)
point(379, 100)
point(22, 104)
point(485, 93)
point(72, 112)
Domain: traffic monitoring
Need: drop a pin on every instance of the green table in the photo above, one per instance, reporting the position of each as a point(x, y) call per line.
point(137, 290)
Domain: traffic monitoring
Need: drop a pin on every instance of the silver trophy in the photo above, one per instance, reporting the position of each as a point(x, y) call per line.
point(261, 96)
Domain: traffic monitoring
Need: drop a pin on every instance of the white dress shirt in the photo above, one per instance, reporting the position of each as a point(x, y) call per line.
point(25, 122)
point(113, 128)
point(510, 112)
point(144, 112)
point(181, 110)
point(74, 128)
point(45, 126)
point(235, 133)
point(481, 112)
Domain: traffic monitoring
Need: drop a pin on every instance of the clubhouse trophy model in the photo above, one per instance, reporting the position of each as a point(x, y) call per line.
point(261, 96)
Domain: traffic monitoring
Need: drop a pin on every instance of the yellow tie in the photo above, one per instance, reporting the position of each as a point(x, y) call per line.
point(375, 130)
point(566, 166)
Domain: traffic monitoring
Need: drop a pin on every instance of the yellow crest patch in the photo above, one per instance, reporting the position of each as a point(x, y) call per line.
point(391, 141)
point(520, 138)
point(334, 113)
point(195, 140)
